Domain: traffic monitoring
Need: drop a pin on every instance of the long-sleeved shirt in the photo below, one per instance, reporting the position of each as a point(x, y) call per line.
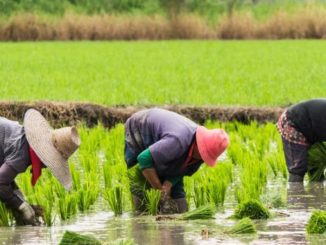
point(167, 135)
point(309, 118)
point(14, 159)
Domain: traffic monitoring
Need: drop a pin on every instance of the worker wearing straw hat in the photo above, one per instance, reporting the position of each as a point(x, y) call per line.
point(37, 144)
point(301, 126)
point(168, 146)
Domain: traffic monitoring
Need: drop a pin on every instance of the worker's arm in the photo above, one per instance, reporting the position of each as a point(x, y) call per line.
point(7, 194)
point(146, 163)
point(12, 198)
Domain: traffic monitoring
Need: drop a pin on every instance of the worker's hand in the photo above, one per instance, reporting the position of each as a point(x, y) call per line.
point(151, 176)
point(28, 214)
point(166, 190)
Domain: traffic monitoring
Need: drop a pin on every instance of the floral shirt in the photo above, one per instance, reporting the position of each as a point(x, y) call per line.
point(288, 131)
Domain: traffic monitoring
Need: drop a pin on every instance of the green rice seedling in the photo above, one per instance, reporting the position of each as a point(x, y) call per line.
point(107, 173)
point(67, 206)
point(219, 179)
point(253, 209)
point(317, 222)
point(91, 138)
point(84, 199)
point(48, 210)
point(152, 200)
point(137, 179)
point(317, 161)
point(73, 238)
point(244, 226)
point(203, 212)
point(200, 194)
point(113, 145)
point(114, 199)
point(89, 161)
point(6, 216)
point(189, 187)
point(45, 198)
point(88, 194)
point(75, 177)
point(216, 192)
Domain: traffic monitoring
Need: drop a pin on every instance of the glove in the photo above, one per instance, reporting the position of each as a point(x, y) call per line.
point(28, 214)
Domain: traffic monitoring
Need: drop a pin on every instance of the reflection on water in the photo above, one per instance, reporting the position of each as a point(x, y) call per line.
point(286, 227)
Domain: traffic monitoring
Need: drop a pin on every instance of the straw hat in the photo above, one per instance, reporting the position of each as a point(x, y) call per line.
point(211, 144)
point(52, 146)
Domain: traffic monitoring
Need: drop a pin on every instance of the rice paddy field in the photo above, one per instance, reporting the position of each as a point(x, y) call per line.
point(252, 169)
point(165, 72)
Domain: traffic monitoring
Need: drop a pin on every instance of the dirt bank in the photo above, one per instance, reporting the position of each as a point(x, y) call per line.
point(60, 113)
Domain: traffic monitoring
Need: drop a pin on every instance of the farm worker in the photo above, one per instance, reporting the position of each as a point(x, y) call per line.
point(301, 126)
point(168, 146)
point(34, 143)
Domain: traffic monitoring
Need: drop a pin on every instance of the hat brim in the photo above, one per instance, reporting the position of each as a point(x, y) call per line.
point(39, 136)
point(201, 133)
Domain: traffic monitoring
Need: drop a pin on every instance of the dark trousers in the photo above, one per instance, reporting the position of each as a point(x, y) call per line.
point(296, 157)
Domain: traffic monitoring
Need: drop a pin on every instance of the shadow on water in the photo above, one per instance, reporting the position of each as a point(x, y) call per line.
point(287, 226)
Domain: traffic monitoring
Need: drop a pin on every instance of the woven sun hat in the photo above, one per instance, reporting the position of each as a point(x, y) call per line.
point(211, 144)
point(52, 146)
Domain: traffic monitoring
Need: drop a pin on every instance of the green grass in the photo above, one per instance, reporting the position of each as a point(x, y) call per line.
point(166, 72)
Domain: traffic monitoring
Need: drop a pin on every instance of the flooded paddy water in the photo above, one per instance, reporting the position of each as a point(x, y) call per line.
point(252, 168)
point(287, 226)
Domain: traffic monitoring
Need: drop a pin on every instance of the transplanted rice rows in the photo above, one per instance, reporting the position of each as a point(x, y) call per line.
point(100, 177)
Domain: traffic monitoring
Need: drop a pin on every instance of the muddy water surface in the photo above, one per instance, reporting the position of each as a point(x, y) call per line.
point(286, 227)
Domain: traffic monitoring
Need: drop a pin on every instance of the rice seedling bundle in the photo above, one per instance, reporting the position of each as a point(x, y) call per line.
point(317, 222)
point(244, 226)
point(253, 209)
point(317, 161)
point(73, 238)
point(203, 212)
point(152, 200)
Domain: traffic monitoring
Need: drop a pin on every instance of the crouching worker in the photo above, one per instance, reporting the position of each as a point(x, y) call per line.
point(301, 126)
point(168, 146)
point(36, 144)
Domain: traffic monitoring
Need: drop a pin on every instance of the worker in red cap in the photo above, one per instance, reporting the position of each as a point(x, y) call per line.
point(166, 146)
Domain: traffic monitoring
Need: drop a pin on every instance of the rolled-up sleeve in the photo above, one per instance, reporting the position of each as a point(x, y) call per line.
point(7, 194)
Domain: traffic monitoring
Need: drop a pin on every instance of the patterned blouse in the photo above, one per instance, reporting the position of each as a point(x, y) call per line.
point(289, 132)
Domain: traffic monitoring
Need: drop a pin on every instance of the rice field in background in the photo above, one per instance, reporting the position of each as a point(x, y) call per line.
point(164, 72)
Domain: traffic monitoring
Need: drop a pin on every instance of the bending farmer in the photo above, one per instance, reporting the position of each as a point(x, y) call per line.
point(168, 146)
point(301, 126)
point(38, 145)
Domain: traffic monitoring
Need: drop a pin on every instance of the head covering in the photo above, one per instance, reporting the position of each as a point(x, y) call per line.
point(211, 144)
point(52, 146)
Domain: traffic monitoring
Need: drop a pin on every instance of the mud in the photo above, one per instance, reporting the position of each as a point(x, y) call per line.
point(67, 113)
